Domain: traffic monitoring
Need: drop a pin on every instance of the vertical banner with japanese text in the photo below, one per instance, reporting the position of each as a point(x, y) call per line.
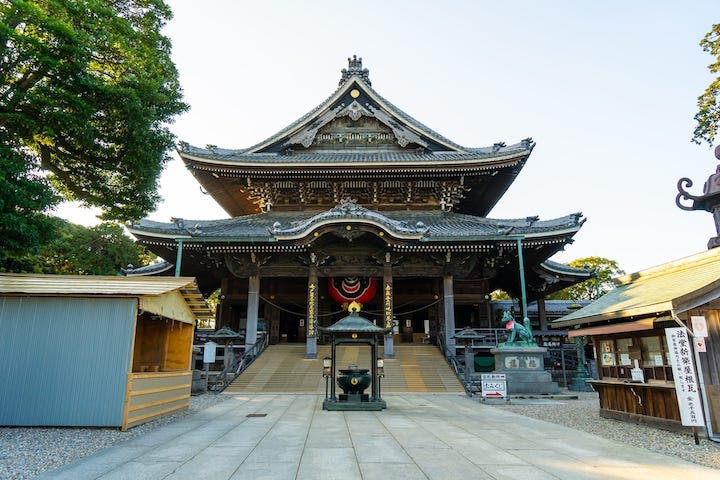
point(312, 304)
point(686, 385)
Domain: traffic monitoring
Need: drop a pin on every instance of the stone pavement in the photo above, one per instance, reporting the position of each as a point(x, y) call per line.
point(419, 436)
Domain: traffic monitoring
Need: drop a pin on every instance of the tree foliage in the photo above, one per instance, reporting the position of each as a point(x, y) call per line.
point(708, 115)
point(78, 250)
point(23, 197)
point(86, 90)
point(605, 270)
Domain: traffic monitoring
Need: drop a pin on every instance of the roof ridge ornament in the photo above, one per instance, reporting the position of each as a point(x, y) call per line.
point(355, 68)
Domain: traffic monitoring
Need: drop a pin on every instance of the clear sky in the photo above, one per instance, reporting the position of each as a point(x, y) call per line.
point(606, 89)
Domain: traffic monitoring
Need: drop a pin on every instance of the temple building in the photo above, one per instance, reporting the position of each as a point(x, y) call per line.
point(358, 201)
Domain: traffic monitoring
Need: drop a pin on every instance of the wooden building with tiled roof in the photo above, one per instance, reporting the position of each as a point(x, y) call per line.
point(359, 198)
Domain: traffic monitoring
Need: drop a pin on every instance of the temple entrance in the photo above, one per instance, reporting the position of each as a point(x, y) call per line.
point(290, 328)
point(414, 328)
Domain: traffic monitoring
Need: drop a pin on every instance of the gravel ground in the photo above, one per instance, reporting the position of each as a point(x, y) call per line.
point(26, 452)
point(583, 414)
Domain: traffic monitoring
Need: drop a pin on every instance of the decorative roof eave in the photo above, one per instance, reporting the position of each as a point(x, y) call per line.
point(554, 276)
point(560, 269)
point(487, 244)
point(348, 211)
point(392, 227)
point(354, 323)
point(510, 237)
point(478, 159)
point(430, 228)
point(154, 269)
point(167, 235)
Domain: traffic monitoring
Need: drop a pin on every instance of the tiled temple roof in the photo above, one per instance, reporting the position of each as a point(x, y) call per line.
point(487, 154)
point(355, 76)
point(426, 225)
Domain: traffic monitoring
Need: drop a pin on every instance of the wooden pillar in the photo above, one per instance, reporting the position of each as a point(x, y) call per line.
point(312, 314)
point(389, 349)
point(253, 304)
point(373, 371)
point(488, 310)
point(542, 315)
point(449, 310)
point(435, 312)
point(710, 364)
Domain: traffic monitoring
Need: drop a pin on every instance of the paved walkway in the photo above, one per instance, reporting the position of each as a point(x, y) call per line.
point(417, 437)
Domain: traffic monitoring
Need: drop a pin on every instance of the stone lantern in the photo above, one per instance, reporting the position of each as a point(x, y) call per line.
point(708, 201)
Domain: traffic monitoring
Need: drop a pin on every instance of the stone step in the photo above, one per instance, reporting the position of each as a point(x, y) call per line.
point(283, 368)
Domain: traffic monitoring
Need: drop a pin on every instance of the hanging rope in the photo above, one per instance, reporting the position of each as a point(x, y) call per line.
point(421, 308)
point(366, 312)
point(302, 314)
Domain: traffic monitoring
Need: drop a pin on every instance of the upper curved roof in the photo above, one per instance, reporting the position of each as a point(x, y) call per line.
point(355, 79)
point(235, 157)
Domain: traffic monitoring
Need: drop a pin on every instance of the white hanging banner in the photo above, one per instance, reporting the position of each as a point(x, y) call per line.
point(680, 351)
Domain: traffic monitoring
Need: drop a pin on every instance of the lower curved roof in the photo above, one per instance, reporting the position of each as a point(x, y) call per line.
point(424, 226)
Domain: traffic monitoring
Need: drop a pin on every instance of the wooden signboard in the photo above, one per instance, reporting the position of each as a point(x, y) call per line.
point(680, 353)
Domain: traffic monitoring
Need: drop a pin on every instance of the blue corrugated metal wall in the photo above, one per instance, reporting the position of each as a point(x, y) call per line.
point(64, 361)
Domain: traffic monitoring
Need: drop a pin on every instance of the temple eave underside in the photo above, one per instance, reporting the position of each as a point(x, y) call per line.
point(465, 188)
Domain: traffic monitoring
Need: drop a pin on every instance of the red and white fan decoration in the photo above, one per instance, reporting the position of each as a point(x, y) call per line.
point(352, 289)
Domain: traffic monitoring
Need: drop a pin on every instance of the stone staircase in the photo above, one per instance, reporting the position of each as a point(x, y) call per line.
point(283, 369)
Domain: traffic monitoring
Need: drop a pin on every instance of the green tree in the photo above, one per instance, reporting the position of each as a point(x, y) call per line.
point(23, 197)
point(87, 88)
point(605, 270)
point(708, 116)
point(77, 250)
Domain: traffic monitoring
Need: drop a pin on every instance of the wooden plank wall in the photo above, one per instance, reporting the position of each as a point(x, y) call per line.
point(637, 399)
point(162, 345)
point(149, 344)
point(152, 394)
point(178, 346)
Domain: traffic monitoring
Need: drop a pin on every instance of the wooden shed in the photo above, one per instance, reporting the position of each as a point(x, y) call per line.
point(95, 350)
point(628, 325)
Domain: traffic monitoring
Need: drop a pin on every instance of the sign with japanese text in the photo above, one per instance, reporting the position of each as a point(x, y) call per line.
point(311, 308)
point(388, 305)
point(700, 345)
point(209, 352)
point(699, 326)
point(680, 351)
point(494, 385)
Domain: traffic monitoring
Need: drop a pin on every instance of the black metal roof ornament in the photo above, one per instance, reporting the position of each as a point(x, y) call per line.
point(355, 68)
point(708, 201)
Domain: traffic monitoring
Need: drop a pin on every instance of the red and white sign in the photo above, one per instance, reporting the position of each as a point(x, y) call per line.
point(699, 326)
point(700, 345)
point(494, 385)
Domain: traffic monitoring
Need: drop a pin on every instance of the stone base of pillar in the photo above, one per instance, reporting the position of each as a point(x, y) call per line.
point(311, 347)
